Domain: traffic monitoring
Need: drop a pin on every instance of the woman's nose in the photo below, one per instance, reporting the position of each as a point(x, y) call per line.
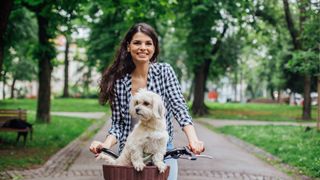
point(143, 46)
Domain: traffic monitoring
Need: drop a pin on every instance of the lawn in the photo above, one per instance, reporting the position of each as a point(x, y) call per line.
point(58, 104)
point(250, 111)
point(293, 145)
point(47, 140)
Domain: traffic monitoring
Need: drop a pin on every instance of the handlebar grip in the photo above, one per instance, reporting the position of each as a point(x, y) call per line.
point(109, 152)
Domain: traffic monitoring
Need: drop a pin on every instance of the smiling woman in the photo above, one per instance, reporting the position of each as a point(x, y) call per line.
point(134, 68)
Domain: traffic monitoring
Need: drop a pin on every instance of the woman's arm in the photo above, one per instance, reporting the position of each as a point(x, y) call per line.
point(195, 145)
point(180, 111)
point(114, 131)
point(175, 97)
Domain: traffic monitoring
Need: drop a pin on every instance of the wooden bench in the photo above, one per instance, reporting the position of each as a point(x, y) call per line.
point(14, 114)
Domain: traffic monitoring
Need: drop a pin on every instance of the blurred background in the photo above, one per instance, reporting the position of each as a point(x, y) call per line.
point(235, 60)
point(223, 51)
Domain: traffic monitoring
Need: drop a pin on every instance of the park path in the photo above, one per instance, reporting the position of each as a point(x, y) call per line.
point(230, 160)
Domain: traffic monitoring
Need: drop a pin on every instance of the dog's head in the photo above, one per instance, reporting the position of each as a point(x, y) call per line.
point(146, 105)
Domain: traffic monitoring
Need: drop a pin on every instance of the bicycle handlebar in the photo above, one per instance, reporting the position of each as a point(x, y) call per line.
point(109, 152)
point(177, 153)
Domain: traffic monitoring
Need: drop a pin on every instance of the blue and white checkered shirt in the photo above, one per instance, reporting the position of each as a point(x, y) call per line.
point(161, 80)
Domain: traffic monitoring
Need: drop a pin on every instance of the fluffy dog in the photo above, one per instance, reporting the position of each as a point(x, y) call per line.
point(149, 135)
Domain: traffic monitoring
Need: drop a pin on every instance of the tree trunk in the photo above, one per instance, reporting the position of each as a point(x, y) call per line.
point(306, 98)
point(292, 30)
point(297, 44)
point(12, 87)
point(5, 9)
point(45, 68)
point(279, 95)
point(271, 92)
point(200, 79)
point(4, 85)
point(66, 69)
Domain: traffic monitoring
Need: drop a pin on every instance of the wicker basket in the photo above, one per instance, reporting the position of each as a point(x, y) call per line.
point(111, 172)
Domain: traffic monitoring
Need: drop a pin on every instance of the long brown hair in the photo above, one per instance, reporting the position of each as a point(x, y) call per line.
point(123, 63)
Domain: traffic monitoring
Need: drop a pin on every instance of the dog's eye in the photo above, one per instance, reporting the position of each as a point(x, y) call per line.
point(146, 103)
point(136, 103)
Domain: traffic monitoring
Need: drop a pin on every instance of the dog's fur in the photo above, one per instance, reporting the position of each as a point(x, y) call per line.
point(149, 134)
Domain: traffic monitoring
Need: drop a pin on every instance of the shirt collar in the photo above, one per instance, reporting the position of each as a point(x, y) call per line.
point(154, 70)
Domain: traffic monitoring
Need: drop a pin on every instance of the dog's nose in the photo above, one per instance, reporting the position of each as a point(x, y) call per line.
point(137, 110)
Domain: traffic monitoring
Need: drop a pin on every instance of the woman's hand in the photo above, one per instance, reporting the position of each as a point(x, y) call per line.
point(196, 146)
point(96, 147)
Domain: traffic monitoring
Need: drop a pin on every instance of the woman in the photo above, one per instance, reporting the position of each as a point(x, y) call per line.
point(135, 67)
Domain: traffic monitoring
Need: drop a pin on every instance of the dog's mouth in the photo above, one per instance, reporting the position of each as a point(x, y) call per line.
point(140, 114)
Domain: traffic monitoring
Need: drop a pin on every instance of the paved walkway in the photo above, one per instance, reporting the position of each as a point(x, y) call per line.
point(230, 160)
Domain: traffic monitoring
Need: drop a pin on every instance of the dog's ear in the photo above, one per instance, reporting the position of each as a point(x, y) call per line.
point(158, 107)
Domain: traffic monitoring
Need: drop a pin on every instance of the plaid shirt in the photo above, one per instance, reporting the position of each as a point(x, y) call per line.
point(161, 80)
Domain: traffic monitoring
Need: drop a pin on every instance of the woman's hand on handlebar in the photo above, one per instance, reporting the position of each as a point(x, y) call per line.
point(96, 147)
point(196, 146)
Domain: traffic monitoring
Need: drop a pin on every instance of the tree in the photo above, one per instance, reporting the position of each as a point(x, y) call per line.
point(48, 19)
point(208, 23)
point(5, 10)
point(304, 54)
point(19, 63)
point(45, 53)
point(70, 16)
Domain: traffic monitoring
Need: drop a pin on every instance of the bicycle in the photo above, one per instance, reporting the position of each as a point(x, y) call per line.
point(150, 172)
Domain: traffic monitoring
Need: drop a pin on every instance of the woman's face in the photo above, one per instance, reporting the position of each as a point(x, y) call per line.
point(141, 48)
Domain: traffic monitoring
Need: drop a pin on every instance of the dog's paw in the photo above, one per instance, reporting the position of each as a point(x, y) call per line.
point(139, 166)
point(161, 166)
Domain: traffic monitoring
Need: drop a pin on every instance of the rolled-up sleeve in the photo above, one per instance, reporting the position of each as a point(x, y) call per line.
point(175, 98)
point(116, 118)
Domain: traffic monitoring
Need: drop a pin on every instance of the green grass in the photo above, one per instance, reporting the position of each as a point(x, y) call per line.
point(47, 140)
point(291, 144)
point(250, 111)
point(65, 105)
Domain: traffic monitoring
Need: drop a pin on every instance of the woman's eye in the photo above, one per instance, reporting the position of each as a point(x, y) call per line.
point(146, 103)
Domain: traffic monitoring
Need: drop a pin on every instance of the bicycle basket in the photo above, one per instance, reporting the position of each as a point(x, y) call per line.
point(112, 172)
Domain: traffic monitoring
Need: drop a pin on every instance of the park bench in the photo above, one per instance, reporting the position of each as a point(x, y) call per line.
point(15, 120)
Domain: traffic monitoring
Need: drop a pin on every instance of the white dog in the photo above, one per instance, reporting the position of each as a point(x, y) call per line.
point(149, 135)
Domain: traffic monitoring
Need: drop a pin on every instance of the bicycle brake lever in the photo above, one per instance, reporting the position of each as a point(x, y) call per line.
point(190, 153)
